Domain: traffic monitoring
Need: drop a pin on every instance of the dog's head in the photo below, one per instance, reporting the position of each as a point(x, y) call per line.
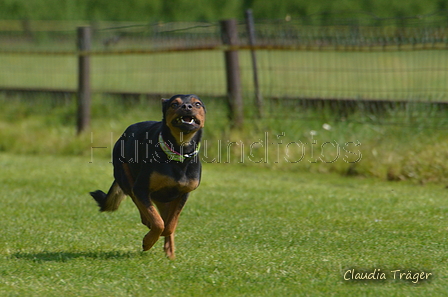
point(183, 114)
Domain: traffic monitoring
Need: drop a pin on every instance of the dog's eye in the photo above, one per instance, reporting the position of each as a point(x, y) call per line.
point(174, 105)
point(198, 104)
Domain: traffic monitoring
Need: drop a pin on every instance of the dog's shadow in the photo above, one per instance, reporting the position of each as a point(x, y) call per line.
point(67, 256)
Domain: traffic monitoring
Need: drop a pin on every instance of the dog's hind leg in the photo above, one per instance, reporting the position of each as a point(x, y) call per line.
point(110, 201)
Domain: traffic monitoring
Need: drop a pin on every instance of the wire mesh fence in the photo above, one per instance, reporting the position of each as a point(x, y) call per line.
point(312, 58)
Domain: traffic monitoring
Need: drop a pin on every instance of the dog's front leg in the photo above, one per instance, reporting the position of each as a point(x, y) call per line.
point(151, 216)
point(170, 213)
point(157, 226)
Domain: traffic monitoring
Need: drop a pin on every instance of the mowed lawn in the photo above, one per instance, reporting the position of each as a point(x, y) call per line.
point(246, 231)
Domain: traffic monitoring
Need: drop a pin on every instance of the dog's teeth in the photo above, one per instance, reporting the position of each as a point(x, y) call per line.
point(187, 122)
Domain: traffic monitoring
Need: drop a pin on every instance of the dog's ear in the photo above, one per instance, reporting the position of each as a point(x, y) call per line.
point(203, 106)
point(165, 101)
point(165, 104)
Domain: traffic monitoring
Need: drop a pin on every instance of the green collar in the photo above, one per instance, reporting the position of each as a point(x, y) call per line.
point(172, 154)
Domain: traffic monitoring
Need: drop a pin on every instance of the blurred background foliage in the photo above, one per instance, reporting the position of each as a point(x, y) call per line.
point(207, 10)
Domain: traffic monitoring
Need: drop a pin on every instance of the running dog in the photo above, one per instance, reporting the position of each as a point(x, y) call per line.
point(157, 165)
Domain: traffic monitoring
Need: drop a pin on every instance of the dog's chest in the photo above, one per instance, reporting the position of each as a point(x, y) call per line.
point(166, 188)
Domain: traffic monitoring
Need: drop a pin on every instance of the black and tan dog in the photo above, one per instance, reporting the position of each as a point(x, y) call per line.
point(157, 165)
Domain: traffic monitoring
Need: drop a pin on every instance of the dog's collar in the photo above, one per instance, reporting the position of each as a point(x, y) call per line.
point(172, 154)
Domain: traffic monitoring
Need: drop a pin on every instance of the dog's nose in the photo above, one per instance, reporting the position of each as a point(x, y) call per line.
point(187, 106)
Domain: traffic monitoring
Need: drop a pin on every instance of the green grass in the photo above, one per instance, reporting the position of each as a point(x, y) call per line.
point(409, 75)
point(408, 144)
point(246, 231)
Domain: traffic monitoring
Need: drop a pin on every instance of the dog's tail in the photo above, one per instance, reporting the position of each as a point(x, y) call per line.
point(110, 201)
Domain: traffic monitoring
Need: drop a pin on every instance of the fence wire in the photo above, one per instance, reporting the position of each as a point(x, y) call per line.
point(313, 58)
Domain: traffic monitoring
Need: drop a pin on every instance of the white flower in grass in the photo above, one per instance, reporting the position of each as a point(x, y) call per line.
point(326, 127)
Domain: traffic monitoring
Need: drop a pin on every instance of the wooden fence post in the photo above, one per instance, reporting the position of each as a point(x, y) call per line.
point(26, 25)
point(84, 45)
point(229, 34)
point(251, 33)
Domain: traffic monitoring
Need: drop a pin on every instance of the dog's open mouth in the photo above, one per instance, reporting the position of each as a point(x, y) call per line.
point(189, 120)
